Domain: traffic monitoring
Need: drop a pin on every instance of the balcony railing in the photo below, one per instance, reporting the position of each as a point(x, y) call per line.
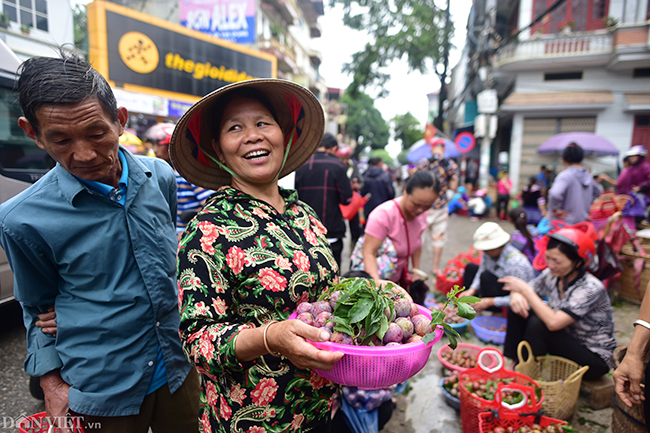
point(554, 47)
point(284, 53)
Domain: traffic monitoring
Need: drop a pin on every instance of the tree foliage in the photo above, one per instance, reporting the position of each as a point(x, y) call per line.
point(407, 129)
point(411, 29)
point(383, 154)
point(364, 123)
point(80, 20)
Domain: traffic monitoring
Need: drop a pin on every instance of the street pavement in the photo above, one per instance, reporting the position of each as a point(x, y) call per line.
point(420, 409)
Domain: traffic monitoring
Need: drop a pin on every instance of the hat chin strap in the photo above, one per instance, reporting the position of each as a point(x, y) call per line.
point(232, 173)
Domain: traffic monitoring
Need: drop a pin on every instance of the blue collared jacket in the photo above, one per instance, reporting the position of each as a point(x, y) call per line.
point(110, 272)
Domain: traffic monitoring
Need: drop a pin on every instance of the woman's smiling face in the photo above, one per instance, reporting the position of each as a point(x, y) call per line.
point(251, 142)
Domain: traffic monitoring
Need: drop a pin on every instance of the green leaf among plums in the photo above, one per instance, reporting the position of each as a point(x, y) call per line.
point(464, 310)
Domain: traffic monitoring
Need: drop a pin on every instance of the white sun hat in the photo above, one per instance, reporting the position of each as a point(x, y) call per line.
point(490, 236)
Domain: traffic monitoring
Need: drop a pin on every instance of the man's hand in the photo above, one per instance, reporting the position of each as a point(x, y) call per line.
point(483, 304)
point(47, 321)
point(56, 399)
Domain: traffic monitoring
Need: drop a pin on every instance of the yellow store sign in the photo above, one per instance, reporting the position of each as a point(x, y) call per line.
point(141, 53)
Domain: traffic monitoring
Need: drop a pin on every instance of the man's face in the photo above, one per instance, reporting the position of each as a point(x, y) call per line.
point(495, 253)
point(438, 150)
point(162, 152)
point(81, 137)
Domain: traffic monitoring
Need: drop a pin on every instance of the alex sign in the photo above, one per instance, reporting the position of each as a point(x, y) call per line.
point(232, 20)
point(141, 53)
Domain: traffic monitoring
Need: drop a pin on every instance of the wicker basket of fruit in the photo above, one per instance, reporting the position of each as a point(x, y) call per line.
point(385, 338)
point(560, 378)
point(479, 385)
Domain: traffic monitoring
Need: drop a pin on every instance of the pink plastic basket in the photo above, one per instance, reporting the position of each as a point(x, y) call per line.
point(370, 367)
point(471, 349)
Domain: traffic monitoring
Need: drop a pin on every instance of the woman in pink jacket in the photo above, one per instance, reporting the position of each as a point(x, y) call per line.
point(503, 195)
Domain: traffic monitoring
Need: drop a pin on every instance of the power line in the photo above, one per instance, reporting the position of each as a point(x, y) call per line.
point(508, 40)
point(532, 23)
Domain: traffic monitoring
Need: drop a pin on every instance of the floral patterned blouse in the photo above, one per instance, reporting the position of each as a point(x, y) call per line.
point(242, 264)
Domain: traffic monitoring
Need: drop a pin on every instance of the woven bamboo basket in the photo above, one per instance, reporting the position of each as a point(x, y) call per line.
point(626, 419)
point(559, 378)
point(628, 290)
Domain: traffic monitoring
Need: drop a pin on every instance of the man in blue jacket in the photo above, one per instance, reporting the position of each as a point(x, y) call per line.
point(378, 184)
point(95, 237)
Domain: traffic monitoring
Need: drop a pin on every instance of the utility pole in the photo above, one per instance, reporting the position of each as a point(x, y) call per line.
point(442, 96)
point(485, 123)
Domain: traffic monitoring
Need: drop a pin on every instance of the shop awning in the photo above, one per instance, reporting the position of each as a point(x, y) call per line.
point(519, 101)
point(637, 102)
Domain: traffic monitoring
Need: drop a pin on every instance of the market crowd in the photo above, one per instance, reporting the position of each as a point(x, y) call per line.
point(204, 244)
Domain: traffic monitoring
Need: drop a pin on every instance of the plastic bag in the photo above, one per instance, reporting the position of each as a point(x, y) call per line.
point(349, 211)
point(636, 206)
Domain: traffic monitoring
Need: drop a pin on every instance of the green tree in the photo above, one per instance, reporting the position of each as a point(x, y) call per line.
point(407, 129)
point(383, 154)
point(80, 20)
point(401, 157)
point(364, 123)
point(413, 29)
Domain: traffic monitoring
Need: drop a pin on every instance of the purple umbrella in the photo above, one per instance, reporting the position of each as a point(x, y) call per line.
point(420, 149)
point(590, 143)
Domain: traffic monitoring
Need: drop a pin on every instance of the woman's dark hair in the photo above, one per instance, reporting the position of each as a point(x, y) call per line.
point(532, 180)
point(422, 179)
point(567, 250)
point(247, 93)
point(573, 154)
point(57, 81)
point(520, 220)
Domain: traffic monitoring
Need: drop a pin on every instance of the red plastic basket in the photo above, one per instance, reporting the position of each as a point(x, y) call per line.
point(471, 349)
point(38, 423)
point(471, 406)
point(369, 367)
point(488, 421)
point(443, 284)
point(474, 255)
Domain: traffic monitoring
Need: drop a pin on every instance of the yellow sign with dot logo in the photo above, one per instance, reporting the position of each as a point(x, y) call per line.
point(138, 52)
point(145, 54)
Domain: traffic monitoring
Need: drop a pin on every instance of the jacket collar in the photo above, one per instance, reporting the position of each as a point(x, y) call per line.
point(70, 186)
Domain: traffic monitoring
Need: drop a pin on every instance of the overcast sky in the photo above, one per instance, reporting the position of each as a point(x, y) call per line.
point(408, 90)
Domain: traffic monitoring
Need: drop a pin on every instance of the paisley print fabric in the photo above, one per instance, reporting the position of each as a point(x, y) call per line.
point(242, 264)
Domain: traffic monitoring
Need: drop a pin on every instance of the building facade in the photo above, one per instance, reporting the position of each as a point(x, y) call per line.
point(583, 67)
